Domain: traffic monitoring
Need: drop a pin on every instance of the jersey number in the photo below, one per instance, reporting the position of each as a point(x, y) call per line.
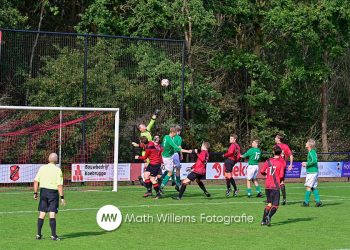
point(257, 156)
point(272, 170)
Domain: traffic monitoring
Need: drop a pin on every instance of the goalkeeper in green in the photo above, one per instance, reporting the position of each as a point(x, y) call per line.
point(311, 180)
point(145, 131)
point(254, 154)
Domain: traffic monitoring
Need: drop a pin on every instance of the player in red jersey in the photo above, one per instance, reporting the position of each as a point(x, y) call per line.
point(286, 154)
point(273, 168)
point(198, 171)
point(153, 152)
point(232, 156)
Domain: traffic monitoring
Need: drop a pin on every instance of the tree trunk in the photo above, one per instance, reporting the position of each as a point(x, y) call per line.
point(324, 100)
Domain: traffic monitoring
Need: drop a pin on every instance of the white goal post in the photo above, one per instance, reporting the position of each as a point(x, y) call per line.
point(116, 128)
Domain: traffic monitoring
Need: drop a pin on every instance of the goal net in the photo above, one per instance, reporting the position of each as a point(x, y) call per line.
point(85, 139)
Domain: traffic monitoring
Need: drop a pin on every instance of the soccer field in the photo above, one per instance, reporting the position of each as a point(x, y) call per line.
point(293, 226)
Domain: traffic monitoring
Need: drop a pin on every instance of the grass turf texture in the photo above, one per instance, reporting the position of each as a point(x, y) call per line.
point(293, 226)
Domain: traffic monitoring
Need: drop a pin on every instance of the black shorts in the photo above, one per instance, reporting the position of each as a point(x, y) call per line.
point(273, 196)
point(229, 164)
point(192, 176)
point(153, 169)
point(49, 200)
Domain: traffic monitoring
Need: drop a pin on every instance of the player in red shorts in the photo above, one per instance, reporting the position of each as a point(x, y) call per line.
point(198, 172)
point(286, 154)
point(273, 168)
point(153, 152)
point(232, 156)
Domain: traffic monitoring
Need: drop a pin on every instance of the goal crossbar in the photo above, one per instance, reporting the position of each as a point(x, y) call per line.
point(88, 109)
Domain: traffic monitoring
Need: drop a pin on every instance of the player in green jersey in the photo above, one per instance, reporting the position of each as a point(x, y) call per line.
point(169, 149)
point(253, 155)
point(311, 180)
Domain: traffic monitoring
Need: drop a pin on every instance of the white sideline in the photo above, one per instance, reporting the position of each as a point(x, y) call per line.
point(167, 187)
point(163, 205)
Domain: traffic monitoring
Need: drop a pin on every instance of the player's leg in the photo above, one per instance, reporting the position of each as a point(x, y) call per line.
point(232, 181)
point(148, 183)
point(169, 166)
point(228, 175)
point(249, 177)
point(283, 190)
point(315, 191)
point(256, 183)
point(201, 185)
point(191, 177)
point(177, 166)
point(268, 206)
point(275, 203)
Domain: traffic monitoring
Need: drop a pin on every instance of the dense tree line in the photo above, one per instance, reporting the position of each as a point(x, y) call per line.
point(254, 67)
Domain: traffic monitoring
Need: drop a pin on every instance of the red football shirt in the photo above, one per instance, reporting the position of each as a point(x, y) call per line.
point(153, 153)
point(233, 152)
point(200, 165)
point(274, 172)
point(286, 152)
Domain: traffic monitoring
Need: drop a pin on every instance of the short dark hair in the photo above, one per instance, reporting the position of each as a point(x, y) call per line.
point(143, 139)
point(280, 136)
point(277, 150)
point(234, 136)
point(257, 141)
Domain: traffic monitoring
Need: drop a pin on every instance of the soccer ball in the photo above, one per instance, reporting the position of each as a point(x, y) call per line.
point(165, 83)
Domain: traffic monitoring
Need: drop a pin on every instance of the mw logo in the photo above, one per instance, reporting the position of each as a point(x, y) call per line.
point(109, 217)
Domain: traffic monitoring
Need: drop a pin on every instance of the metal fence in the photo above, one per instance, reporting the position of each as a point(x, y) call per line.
point(84, 70)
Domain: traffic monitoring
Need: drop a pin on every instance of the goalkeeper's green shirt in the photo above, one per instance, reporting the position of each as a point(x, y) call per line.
point(254, 155)
point(147, 133)
point(169, 147)
point(311, 164)
point(178, 140)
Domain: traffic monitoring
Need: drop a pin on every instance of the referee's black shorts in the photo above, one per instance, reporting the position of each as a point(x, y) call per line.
point(49, 200)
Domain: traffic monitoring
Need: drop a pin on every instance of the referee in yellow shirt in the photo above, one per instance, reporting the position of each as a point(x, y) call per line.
point(51, 185)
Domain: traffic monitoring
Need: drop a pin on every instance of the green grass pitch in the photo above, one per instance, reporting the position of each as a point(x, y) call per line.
point(293, 226)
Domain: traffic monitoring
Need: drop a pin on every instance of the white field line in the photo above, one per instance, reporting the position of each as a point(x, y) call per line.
point(162, 205)
point(167, 188)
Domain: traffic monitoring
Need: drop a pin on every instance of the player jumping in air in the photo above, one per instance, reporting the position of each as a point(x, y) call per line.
point(198, 172)
point(254, 154)
point(273, 168)
point(233, 155)
point(154, 154)
point(170, 148)
point(286, 153)
point(311, 174)
point(146, 132)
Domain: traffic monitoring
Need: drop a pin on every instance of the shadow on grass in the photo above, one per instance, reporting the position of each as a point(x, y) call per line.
point(293, 220)
point(81, 234)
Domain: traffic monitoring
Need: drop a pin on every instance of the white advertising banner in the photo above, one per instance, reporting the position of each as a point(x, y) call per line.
point(18, 173)
point(99, 172)
point(327, 169)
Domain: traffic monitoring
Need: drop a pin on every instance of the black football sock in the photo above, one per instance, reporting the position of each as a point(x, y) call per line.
point(182, 190)
point(40, 225)
point(156, 187)
point(266, 211)
point(233, 183)
point(228, 184)
point(201, 185)
point(148, 185)
point(53, 226)
point(283, 190)
point(272, 211)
